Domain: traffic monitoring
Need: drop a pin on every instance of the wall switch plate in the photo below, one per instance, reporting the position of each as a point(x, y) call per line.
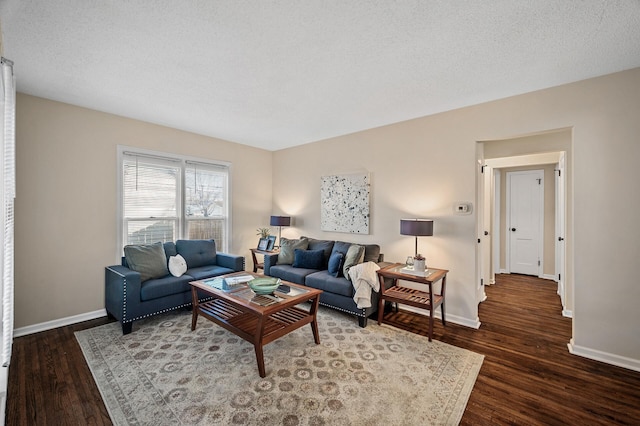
point(462, 208)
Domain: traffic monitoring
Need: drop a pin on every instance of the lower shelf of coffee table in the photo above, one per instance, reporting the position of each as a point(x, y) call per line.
point(245, 324)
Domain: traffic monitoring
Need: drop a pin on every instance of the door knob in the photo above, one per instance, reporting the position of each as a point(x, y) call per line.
point(513, 229)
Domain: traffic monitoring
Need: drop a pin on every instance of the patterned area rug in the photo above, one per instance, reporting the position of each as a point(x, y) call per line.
point(165, 374)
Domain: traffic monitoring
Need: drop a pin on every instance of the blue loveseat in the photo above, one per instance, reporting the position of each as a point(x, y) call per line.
point(147, 288)
point(338, 291)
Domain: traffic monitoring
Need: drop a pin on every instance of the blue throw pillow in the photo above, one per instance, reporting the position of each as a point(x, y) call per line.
point(335, 264)
point(197, 252)
point(308, 259)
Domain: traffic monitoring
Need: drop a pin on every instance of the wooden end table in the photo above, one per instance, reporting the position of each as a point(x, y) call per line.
point(420, 299)
point(257, 319)
point(260, 265)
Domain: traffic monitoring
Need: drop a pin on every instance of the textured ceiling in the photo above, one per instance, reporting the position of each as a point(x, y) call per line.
point(280, 73)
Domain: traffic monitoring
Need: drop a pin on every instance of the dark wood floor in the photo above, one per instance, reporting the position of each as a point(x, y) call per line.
point(528, 377)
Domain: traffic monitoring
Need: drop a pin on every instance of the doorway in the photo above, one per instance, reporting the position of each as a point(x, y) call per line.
point(548, 151)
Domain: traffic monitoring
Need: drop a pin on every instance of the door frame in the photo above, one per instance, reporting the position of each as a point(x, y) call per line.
point(561, 232)
point(480, 202)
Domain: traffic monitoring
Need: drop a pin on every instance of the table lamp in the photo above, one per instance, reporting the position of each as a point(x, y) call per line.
point(417, 228)
point(280, 221)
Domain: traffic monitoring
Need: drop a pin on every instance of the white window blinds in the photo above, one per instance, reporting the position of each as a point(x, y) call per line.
point(150, 199)
point(165, 198)
point(8, 185)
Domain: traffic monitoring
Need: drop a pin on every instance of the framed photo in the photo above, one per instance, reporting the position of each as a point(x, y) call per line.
point(272, 242)
point(263, 244)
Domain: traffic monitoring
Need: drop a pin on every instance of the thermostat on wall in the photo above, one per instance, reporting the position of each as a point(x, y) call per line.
point(462, 208)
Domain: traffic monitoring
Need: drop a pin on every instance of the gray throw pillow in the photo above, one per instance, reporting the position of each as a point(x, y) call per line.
point(287, 249)
point(147, 259)
point(355, 255)
point(371, 253)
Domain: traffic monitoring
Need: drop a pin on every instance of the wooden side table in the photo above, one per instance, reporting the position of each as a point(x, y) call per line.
point(260, 265)
point(420, 299)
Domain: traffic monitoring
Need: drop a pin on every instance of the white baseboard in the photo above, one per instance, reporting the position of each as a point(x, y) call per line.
point(44, 326)
point(450, 318)
point(620, 361)
point(548, 277)
point(567, 313)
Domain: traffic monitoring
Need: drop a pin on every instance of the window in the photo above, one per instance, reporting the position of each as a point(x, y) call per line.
point(166, 198)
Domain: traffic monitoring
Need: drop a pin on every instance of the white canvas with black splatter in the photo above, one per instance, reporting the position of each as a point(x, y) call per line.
point(344, 203)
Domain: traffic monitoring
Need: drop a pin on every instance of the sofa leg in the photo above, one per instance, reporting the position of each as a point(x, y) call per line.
point(127, 327)
point(362, 321)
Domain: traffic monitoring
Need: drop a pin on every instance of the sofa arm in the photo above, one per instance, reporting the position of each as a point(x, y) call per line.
point(122, 288)
point(269, 261)
point(230, 261)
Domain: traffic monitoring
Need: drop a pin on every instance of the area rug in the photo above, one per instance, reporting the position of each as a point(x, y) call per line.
point(165, 374)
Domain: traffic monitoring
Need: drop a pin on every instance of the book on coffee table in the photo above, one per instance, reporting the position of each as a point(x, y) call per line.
point(228, 283)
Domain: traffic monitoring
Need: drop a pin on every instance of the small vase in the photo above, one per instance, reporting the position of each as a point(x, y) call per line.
point(418, 265)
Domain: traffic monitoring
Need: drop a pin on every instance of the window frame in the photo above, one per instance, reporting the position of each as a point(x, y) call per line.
point(182, 162)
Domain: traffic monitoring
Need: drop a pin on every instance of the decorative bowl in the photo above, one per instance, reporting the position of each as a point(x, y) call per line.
point(264, 285)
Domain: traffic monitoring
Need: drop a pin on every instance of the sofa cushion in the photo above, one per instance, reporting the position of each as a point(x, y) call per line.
point(371, 253)
point(325, 245)
point(147, 259)
point(177, 265)
point(340, 247)
point(165, 286)
point(309, 259)
point(289, 273)
point(335, 264)
point(322, 280)
point(355, 255)
point(197, 252)
point(170, 249)
point(208, 271)
point(287, 247)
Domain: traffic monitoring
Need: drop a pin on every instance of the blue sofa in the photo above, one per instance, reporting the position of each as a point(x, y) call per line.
point(131, 295)
point(338, 291)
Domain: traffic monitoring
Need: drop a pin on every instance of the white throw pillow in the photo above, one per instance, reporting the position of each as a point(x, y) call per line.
point(177, 265)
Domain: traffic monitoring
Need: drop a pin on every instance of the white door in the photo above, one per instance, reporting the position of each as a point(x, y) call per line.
point(560, 229)
point(525, 215)
point(480, 248)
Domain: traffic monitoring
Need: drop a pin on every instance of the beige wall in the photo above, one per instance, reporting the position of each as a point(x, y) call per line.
point(421, 167)
point(66, 200)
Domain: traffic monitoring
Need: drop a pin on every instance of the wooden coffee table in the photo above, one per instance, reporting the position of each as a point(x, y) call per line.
point(257, 319)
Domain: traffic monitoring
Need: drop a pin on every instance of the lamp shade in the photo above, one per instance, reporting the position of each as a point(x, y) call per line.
point(417, 227)
point(280, 221)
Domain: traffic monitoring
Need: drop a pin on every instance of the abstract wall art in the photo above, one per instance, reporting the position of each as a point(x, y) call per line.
point(344, 201)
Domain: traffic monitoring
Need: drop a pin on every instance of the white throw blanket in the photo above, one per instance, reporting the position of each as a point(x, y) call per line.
point(364, 279)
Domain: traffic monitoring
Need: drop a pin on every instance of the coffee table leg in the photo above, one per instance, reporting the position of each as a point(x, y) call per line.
point(194, 306)
point(257, 345)
point(260, 359)
point(314, 323)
